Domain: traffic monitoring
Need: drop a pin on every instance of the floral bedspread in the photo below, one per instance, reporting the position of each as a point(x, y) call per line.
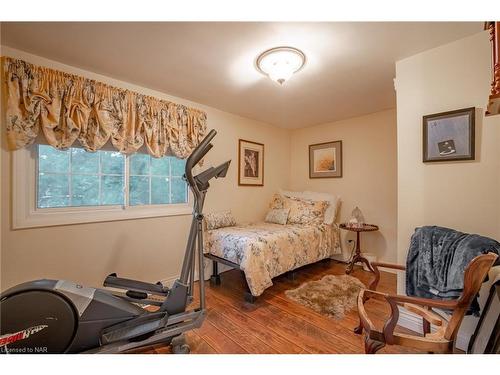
point(265, 250)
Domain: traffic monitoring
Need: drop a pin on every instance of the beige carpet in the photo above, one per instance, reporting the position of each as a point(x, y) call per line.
point(332, 296)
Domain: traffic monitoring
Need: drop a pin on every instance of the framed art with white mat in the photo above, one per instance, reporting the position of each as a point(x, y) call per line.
point(250, 163)
point(325, 160)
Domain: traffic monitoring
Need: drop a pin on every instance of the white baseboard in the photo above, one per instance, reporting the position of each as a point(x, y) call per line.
point(389, 270)
point(343, 259)
point(413, 322)
point(169, 281)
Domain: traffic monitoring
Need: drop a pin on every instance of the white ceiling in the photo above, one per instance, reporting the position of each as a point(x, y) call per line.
point(349, 70)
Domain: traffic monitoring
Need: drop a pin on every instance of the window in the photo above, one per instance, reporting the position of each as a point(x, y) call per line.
point(156, 181)
point(54, 187)
point(75, 177)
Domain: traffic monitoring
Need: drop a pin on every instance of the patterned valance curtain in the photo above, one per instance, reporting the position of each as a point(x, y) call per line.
point(67, 107)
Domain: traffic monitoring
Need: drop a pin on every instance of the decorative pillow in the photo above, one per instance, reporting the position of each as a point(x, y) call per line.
point(331, 210)
point(277, 215)
point(333, 200)
point(277, 201)
point(304, 211)
point(217, 220)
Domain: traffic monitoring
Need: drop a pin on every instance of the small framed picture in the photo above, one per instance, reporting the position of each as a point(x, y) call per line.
point(250, 163)
point(325, 160)
point(449, 136)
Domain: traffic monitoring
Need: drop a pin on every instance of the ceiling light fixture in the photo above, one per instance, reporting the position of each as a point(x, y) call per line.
point(280, 63)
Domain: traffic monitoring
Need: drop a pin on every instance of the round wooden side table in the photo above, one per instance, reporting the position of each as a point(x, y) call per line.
point(357, 258)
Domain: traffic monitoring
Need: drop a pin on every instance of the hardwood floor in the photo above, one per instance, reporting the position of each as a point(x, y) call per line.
point(275, 324)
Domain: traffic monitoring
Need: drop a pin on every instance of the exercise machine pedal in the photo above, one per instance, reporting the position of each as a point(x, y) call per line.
point(139, 326)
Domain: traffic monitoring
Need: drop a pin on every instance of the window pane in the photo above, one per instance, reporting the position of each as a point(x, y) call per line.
point(52, 160)
point(85, 190)
point(159, 190)
point(160, 166)
point(112, 162)
point(53, 190)
point(84, 162)
point(139, 164)
point(179, 190)
point(112, 190)
point(79, 178)
point(139, 190)
point(177, 166)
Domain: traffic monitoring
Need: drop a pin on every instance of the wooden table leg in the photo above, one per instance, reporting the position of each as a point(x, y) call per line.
point(357, 258)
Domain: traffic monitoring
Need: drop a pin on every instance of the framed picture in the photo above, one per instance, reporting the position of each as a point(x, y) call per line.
point(250, 163)
point(449, 136)
point(325, 160)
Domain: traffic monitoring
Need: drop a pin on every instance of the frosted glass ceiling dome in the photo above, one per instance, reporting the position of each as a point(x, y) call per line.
point(280, 63)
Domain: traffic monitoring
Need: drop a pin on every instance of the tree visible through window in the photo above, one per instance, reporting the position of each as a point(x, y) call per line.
point(76, 177)
point(156, 181)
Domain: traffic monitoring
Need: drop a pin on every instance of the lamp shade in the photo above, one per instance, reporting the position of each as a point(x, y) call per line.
point(280, 63)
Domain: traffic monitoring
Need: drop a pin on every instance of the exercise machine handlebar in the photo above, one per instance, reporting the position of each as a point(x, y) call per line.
point(198, 153)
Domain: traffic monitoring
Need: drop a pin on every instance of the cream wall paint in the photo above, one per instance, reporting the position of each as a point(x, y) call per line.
point(369, 175)
point(149, 249)
point(152, 248)
point(461, 195)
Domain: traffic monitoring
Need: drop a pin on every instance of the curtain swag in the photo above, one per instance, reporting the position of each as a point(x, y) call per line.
point(67, 107)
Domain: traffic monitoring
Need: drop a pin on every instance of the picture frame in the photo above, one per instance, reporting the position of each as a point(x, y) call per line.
point(449, 136)
point(250, 163)
point(325, 160)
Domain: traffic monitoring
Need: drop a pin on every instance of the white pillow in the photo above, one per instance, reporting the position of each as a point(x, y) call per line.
point(331, 211)
point(292, 194)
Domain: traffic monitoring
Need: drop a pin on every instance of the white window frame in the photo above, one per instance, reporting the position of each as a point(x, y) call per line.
point(26, 214)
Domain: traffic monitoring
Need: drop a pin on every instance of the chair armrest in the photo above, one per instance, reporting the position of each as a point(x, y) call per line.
point(395, 299)
point(400, 299)
point(427, 302)
point(374, 268)
point(367, 293)
point(365, 321)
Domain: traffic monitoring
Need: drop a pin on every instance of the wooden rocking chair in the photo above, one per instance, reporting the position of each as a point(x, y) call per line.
point(440, 341)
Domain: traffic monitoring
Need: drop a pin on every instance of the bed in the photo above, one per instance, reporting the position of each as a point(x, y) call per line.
point(265, 250)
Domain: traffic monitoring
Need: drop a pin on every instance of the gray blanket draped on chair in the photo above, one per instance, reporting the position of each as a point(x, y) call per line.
point(436, 261)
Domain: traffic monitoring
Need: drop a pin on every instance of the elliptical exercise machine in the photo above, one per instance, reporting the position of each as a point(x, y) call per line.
point(59, 316)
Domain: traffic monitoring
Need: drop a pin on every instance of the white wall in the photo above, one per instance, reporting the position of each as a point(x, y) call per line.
point(460, 195)
point(369, 175)
point(149, 249)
